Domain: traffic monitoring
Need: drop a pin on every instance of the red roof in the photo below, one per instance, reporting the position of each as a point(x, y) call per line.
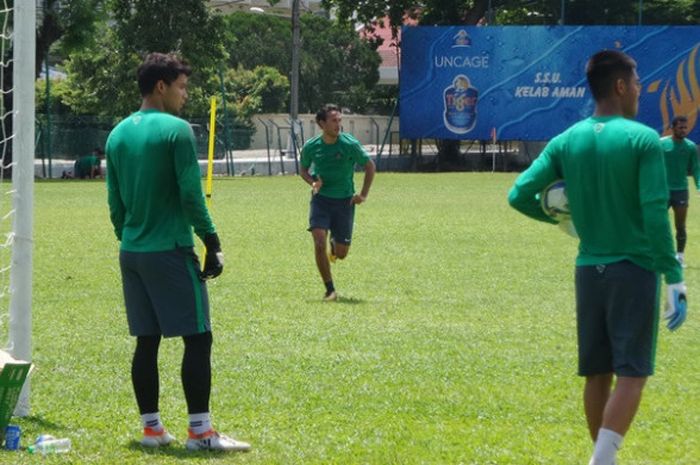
point(388, 50)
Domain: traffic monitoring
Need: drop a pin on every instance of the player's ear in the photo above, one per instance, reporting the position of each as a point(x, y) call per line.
point(622, 86)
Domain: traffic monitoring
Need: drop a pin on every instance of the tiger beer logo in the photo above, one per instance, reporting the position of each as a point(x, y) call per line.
point(460, 100)
point(680, 96)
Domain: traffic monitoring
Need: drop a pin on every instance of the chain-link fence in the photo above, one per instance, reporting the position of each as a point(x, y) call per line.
point(69, 137)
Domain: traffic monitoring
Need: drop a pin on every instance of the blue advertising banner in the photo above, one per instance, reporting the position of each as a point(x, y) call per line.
point(529, 83)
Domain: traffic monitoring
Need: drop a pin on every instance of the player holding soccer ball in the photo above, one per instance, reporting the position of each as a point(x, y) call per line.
point(617, 194)
point(333, 155)
point(681, 156)
point(155, 200)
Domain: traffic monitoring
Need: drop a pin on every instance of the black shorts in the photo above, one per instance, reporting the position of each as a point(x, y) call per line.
point(678, 198)
point(335, 215)
point(164, 294)
point(617, 315)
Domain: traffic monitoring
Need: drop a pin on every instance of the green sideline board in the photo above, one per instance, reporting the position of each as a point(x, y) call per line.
point(12, 378)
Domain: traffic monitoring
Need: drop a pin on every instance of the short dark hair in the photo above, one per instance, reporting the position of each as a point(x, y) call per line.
point(166, 67)
point(322, 114)
point(678, 119)
point(605, 68)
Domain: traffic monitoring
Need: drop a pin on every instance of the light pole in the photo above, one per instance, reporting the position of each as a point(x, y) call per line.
point(294, 76)
point(294, 91)
point(563, 12)
point(296, 48)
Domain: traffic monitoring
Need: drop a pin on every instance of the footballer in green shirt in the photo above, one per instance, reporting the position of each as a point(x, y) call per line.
point(155, 202)
point(328, 165)
point(616, 187)
point(681, 157)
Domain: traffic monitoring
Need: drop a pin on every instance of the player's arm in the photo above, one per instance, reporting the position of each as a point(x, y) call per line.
point(695, 166)
point(524, 195)
point(314, 181)
point(653, 196)
point(361, 157)
point(189, 180)
point(370, 170)
point(117, 211)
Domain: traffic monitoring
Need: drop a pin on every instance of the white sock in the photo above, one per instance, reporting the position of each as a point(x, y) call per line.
point(200, 422)
point(152, 420)
point(606, 447)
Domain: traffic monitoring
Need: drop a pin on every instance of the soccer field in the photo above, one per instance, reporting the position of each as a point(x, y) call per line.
point(453, 341)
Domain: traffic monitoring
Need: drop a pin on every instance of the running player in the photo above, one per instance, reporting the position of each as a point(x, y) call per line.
point(333, 155)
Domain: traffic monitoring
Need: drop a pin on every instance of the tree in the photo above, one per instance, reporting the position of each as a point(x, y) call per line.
point(597, 12)
point(336, 64)
point(66, 24)
point(186, 27)
point(70, 24)
point(258, 40)
point(261, 90)
point(183, 26)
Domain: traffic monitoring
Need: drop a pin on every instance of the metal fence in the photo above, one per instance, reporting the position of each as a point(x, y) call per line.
point(69, 137)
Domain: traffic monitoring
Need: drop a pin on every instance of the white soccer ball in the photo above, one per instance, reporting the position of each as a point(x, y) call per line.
point(555, 204)
point(554, 201)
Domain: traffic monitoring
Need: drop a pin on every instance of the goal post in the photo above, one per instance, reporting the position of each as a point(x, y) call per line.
point(23, 74)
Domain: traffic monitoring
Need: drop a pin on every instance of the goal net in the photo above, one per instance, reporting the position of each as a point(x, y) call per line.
point(17, 52)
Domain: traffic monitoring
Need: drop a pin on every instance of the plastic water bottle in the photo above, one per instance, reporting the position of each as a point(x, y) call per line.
point(49, 445)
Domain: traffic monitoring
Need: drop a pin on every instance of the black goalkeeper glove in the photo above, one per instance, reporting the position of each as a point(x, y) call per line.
point(214, 259)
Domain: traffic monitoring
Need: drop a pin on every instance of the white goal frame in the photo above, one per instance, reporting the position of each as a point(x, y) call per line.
point(23, 75)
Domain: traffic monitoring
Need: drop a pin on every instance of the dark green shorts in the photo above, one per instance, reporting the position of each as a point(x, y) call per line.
point(678, 198)
point(617, 315)
point(334, 215)
point(164, 294)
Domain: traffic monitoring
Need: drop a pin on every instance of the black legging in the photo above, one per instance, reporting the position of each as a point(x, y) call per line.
point(681, 238)
point(195, 372)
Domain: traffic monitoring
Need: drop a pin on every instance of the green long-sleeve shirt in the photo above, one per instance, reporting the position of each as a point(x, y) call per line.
point(154, 183)
point(681, 159)
point(616, 186)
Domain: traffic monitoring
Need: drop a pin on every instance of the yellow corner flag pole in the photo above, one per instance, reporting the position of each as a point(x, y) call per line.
point(208, 186)
point(210, 164)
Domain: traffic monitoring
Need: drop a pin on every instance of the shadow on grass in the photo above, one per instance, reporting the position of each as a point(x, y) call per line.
point(179, 451)
point(341, 301)
point(42, 424)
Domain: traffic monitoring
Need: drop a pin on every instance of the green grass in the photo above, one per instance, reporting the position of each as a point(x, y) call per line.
point(453, 341)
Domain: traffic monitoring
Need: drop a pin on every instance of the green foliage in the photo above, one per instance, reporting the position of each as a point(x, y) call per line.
point(186, 27)
point(453, 341)
point(262, 90)
point(444, 12)
point(74, 20)
point(102, 77)
point(258, 40)
point(58, 89)
point(598, 12)
point(336, 65)
point(66, 25)
point(102, 80)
